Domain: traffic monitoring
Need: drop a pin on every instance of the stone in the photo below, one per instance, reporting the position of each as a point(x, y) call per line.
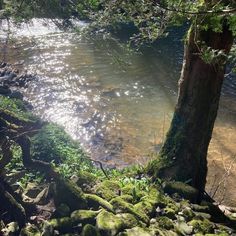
point(30, 230)
point(16, 95)
point(129, 220)
point(137, 231)
point(184, 190)
point(84, 216)
point(165, 223)
point(90, 230)
point(109, 224)
point(96, 202)
point(108, 189)
point(183, 228)
point(202, 226)
point(122, 206)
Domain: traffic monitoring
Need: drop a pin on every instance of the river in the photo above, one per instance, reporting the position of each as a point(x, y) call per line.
point(117, 102)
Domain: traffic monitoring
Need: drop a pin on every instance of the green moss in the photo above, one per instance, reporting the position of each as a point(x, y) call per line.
point(109, 224)
point(137, 231)
point(204, 226)
point(84, 216)
point(96, 202)
point(127, 198)
point(129, 220)
point(188, 214)
point(122, 206)
point(64, 224)
point(165, 223)
point(170, 213)
point(145, 206)
point(52, 143)
point(136, 190)
point(63, 210)
point(90, 230)
point(30, 230)
point(16, 108)
point(108, 189)
point(85, 179)
point(70, 194)
point(184, 190)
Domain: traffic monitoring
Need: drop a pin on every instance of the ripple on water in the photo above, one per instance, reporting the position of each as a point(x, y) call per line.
point(118, 104)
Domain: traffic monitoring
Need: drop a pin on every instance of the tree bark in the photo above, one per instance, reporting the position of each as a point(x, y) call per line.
point(183, 156)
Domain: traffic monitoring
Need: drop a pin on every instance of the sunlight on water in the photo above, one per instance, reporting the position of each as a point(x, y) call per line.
point(117, 103)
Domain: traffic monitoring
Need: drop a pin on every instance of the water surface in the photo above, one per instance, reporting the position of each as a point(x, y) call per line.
point(116, 102)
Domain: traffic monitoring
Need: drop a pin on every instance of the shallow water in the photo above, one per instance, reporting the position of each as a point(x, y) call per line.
point(118, 103)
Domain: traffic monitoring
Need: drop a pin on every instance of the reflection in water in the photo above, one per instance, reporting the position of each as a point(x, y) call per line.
point(116, 102)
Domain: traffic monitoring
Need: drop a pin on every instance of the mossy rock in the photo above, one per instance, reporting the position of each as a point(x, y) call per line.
point(129, 220)
point(109, 224)
point(188, 213)
point(62, 210)
point(52, 143)
point(184, 190)
point(30, 230)
point(202, 226)
point(137, 231)
point(70, 194)
point(132, 190)
point(108, 189)
point(84, 216)
point(63, 225)
point(165, 223)
point(127, 198)
point(90, 230)
point(122, 206)
point(170, 213)
point(145, 206)
point(95, 202)
point(85, 180)
point(183, 228)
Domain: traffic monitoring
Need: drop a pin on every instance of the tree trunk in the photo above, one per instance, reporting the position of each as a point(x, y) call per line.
point(183, 155)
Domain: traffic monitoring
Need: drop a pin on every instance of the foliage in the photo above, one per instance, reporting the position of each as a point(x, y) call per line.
point(17, 108)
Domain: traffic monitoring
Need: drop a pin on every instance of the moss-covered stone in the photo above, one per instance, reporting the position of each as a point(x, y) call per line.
point(165, 223)
point(137, 231)
point(183, 228)
point(109, 224)
point(108, 189)
point(202, 226)
point(121, 206)
point(70, 194)
point(62, 210)
point(64, 224)
point(90, 230)
point(127, 198)
point(85, 180)
point(184, 190)
point(188, 213)
point(129, 220)
point(132, 190)
point(95, 202)
point(84, 216)
point(30, 230)
point(145, 206)
point(170, 213)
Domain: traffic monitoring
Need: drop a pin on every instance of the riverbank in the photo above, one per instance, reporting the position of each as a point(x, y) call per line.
point(70, 195)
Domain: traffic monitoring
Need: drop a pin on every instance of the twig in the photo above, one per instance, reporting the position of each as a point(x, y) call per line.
point(101, 166)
